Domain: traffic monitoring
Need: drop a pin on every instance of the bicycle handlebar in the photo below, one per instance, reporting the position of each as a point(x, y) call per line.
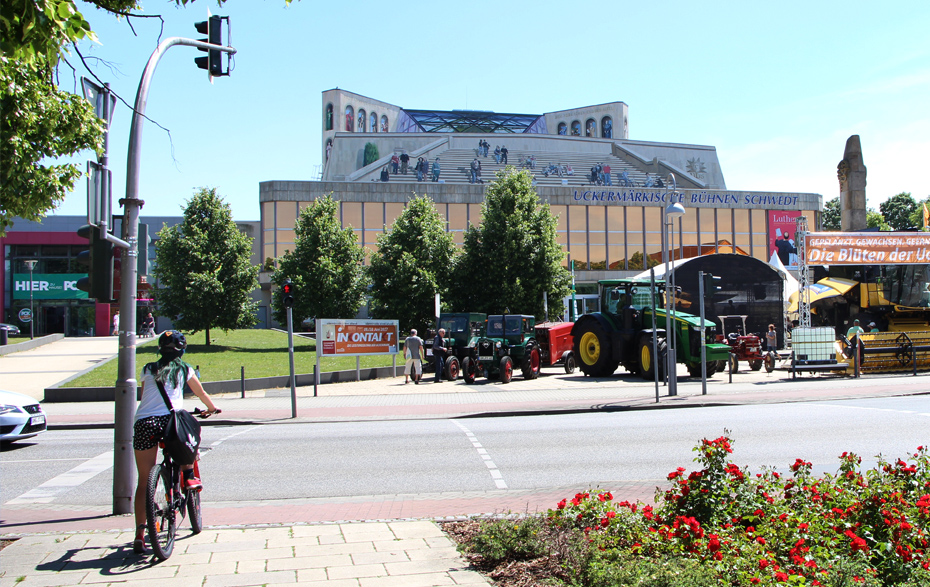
point(204, 414)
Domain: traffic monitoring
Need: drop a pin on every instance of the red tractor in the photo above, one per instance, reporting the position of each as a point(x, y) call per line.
point(743, 346)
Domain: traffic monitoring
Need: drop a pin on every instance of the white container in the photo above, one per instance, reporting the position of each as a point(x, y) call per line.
point(813, 345)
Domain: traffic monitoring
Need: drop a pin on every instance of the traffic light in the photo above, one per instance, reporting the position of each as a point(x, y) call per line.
point(143, 265)
point(711, 285)
point(213, 63)
point(287, 293)
point(98, 258)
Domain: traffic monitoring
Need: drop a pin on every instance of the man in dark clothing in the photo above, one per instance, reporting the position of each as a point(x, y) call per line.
point(404, 160)
point(784, 250)
point(504, 155)
point(439, 353)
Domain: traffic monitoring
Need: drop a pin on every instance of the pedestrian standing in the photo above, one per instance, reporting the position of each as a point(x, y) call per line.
point(436, 169)
point(419, 169)
point(504, 155)
point(395, 162)
point(475, 165)
point(413, 351)
point(404, 160)
point(854, 330)
point(439, 353)
point(115, 330)
point(771, 338)
point(873, 327)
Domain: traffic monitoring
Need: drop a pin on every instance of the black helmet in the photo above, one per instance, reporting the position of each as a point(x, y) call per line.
point(172, 341)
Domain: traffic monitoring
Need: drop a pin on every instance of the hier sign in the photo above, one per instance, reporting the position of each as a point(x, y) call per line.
point(356, 337)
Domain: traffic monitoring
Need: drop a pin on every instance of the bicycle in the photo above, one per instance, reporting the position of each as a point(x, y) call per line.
point(165, 498)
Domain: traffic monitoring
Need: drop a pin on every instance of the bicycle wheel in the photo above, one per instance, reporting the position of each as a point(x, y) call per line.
point(193, 510)
point(160, 512)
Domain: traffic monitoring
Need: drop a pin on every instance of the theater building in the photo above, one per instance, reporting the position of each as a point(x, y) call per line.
point(609, 227)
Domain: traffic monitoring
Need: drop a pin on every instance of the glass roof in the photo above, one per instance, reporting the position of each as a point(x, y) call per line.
point(473, 121)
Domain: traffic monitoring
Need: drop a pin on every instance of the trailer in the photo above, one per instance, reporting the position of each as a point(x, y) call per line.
point(555, 344)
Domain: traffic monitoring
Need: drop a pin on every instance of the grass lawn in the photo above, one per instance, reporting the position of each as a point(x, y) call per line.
point(263, 353)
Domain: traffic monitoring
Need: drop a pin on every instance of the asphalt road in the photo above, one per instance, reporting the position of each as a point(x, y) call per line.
point(300, 460)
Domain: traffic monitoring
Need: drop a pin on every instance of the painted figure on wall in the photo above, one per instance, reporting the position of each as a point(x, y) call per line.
point(374, 122)
point(361, 120)
point(329, 117)
point(607, 127)
point(350, 119)
point(384, 123)
point(563, 129)
point(589, 128)
point(329, 148)
point(576, 129)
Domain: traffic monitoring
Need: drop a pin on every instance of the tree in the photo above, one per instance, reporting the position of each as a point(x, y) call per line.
point(325, 267)
point(898, 210)
point(917, 217)
point(874, 219)
point(513, 256)
point(371, 154)
point(832, 219)
point(412, 265)
point(205, 277)
point(39, 121)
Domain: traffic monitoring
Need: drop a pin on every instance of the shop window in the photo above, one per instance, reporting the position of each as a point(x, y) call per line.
point(350, 118)
point(329, 117)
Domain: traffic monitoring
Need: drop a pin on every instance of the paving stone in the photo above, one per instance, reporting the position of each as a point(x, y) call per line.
point(405, 544)
point(310, 562)
point(241, 580)
point(256, 554)
point(430, 580)
point(419, 529)
point(367, 558)
point(356, 571)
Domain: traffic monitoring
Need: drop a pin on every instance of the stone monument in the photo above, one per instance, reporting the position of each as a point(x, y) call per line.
point(851, 173)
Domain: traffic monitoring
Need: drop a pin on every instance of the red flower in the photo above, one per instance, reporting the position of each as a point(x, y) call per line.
point(561, 505)
point(763, 563)
point(713, 544)
point(781, 576)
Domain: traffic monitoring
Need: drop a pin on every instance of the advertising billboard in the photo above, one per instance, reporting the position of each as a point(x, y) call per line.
point(356, 337)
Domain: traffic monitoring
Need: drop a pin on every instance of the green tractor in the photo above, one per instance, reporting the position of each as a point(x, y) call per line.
point(461, 328)
point(622, 333)
point(509, 342)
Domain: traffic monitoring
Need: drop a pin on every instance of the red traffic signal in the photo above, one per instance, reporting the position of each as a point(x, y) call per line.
point(287, 293)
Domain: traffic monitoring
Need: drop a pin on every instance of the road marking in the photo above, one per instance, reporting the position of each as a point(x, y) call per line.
point(225, 438)
point(48, 491)
point(43, 460)
point(483, 453)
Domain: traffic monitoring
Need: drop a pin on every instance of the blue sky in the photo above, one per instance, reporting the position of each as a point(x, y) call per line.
point(777, 88)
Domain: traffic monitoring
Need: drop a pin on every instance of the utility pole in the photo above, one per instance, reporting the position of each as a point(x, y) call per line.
point(126, 383)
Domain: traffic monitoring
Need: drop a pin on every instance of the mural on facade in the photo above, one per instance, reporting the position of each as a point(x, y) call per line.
point(576, 129)
point(361, 120)
point(782, 225)
point(607, 127)
point(589, 129)
point(374, 122)
point(563, 128)
point(329, 117)
point(350, 119)
point(384, 123)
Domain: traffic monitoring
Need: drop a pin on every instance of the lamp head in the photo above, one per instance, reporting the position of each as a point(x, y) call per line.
point(675, 210)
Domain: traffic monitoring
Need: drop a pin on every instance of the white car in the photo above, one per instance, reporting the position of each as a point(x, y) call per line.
point(21, 416)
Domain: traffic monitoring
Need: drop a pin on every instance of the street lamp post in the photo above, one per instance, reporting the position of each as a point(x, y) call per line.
point(673, 211)
point(31, 265)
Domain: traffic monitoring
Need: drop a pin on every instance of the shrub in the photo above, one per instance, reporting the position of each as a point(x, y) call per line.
point(371, 154)
point(507, 540)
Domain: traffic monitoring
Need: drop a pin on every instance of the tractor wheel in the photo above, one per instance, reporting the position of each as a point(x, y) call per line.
point(570, 363)
point(694, 369)
point(711, 367)
point(769, 362)
point(452, 368)
point(734, 363)
point(648, 361)
point(506, 369)
point(468, 370)
point(722, 365)
point(592, 350)
point(531, 362)
point(755, 364)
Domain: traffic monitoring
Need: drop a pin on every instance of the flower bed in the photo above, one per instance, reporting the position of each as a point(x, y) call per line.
point(721, 525)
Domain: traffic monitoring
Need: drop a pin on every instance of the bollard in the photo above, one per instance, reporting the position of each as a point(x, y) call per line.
point(3, 337)
point(242, 380)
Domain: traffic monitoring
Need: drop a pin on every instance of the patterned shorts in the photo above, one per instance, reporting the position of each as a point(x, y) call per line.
point(148, 431)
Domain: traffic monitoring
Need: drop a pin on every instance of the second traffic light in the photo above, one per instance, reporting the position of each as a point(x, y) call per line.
point(711, 285)
point(287, 293)
point(98, 258)
point(213, 28)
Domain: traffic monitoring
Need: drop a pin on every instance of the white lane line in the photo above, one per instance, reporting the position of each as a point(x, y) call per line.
point(483, 453)
point(225, 438)
point(44, 460)
point(48, 491)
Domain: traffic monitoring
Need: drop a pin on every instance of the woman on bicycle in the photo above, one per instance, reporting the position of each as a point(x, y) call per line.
point(152, 416)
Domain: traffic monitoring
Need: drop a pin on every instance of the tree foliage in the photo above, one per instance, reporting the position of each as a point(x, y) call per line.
point(874, 219)
point(203, 267)
point(832, 219)
point(513, 256)
point(371, 154)
point(898, 210)
point(40, 122)
point(325, 267)
point(413, 264)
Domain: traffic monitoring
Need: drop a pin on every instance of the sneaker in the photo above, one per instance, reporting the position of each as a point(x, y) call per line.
point(193, 483)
